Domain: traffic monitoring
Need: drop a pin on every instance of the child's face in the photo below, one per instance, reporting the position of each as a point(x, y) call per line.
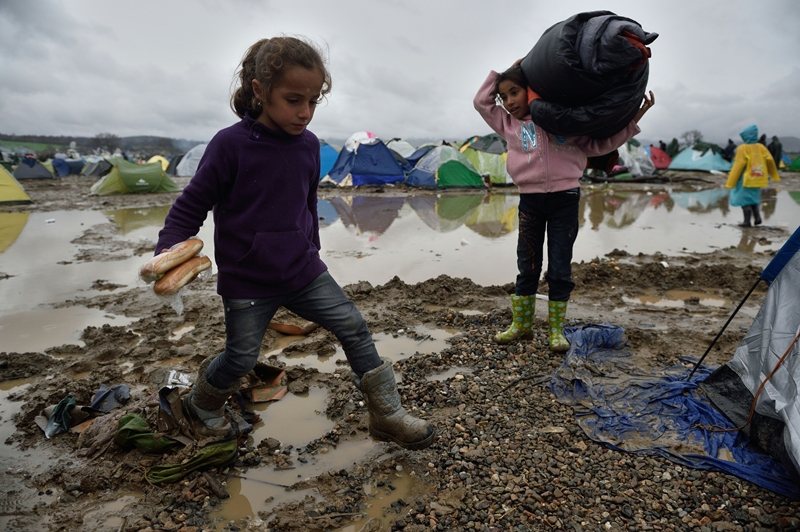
point(291, 104)
point(514, 98)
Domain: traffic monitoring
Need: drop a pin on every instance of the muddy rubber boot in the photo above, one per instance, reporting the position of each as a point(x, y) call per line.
point(746, 211)
point(556, 312)
point(756, 214)
point(522, 308)
point(388, 420)
point(205, 405)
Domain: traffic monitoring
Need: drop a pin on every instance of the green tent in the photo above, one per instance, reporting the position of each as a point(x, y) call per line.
point(130, 178)
point(444, 166)
point(488, 162)
point(795, 166)
point(10, 189)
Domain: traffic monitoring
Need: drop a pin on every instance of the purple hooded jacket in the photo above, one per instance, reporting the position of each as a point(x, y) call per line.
point(262, 186)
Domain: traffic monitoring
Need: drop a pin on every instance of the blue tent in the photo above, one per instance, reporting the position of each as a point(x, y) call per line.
point(368, 164)
point(65, 167)
point(691, 159)
point(327, 158)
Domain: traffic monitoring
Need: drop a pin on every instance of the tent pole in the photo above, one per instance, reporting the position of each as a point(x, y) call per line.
point(697, 365)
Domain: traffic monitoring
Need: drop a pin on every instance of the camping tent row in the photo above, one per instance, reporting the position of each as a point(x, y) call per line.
point(367, 160)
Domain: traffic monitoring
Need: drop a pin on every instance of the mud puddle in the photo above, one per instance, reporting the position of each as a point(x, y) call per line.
point(386, 498)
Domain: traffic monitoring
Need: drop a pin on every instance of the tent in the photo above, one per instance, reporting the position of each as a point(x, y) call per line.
point(159, 159)
point(488, 155)
point(765, 367)
point(659, 157)
point(365, 160)
point(188, 165)
point(97, 168)
point(795, 166)
point(173, 164)
point(701, 161)
point(30, 168)
point(444, 166)
point(403, 147)
point(65, 167)
point(11, 226)
point(327, 158)
point(130, 178)
point(10, 190)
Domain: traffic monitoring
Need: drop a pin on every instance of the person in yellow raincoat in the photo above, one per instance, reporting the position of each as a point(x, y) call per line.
point(753, 165)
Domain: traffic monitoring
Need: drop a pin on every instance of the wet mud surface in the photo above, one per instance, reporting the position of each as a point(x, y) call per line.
point(508, 457)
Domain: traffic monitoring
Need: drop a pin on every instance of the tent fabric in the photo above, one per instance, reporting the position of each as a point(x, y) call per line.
point(129, 178)
point(590, 77)
point(10, 190)
point(658, 414)
point(159, 159)
point(368, 164)
point(770, 336)
point(795, 166)
point(660, 158)
point(444, 166)
point(64, 167)
point(173, 165)
point(97, 168)
point(691, 159)
point(188, 164)
point(488, 155)
point(11, 226)
point(327, 158)
point(403, 147)
point(32, 170)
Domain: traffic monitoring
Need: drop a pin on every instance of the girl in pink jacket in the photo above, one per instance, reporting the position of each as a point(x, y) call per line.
point(546, 168)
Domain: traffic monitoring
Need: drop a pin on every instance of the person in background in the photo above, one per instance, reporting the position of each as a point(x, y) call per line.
point(763, 139)
point(260, 177)
point(547, 169)
point(729, 151)
point(776, 150)
point(753, 165)
point(662, 146)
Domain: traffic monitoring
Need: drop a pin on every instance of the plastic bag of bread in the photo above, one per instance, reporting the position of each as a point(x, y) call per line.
point(174, 268)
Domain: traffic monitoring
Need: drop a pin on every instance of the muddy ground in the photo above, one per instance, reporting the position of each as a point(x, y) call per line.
point(78, 470)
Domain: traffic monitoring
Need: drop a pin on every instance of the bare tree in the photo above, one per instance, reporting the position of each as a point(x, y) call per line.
point(106, 141)
point(690, 138)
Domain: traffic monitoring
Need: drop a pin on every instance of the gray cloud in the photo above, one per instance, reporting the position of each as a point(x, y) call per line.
point(400, 68)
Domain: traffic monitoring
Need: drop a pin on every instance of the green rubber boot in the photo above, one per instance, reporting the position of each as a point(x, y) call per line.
point(556, 311)
point(522, 310)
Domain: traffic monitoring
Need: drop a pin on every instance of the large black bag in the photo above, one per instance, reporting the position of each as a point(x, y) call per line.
point(590, 75)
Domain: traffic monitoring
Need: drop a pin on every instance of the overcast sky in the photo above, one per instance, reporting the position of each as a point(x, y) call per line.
point(400, 68)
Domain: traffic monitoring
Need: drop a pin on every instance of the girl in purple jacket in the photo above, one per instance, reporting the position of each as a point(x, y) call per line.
point(260, 178)
point(546, 168)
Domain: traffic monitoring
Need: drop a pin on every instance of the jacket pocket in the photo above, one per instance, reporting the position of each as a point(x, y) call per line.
point(275, 256)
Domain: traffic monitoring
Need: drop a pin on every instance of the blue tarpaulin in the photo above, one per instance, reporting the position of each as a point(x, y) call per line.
point(655, 413)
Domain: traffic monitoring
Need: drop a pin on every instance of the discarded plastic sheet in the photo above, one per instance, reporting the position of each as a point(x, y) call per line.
point(58, 418)
point(106, 399)
point(662, 414)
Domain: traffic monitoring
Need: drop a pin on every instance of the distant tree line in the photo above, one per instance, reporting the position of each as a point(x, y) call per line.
point(108, 141)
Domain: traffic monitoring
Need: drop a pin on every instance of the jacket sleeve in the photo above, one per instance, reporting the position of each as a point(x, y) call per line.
point(739, 162)
point(209, 183)
point(494, 115)
point(595, 147)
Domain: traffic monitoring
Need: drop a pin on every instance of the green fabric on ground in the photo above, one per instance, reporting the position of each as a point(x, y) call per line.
point(214, 455)
point(134, 431)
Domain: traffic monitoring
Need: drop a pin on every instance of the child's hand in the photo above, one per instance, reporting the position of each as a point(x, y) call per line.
point(647, 104)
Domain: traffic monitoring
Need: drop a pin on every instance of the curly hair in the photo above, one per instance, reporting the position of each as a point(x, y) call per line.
point(267, 61)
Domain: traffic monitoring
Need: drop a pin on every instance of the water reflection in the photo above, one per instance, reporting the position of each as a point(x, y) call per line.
point(367, 215)
point(128, 220)
point(11, 225)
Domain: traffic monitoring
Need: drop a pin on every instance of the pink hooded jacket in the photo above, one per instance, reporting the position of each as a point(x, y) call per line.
point(539, 161)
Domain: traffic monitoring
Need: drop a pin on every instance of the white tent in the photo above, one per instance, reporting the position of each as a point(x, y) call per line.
point(188, 165)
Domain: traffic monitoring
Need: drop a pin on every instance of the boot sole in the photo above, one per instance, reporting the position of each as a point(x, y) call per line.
point(413, 446)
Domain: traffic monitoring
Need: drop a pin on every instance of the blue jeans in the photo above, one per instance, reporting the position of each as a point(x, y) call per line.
point(321, 301)
point(554, 213)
